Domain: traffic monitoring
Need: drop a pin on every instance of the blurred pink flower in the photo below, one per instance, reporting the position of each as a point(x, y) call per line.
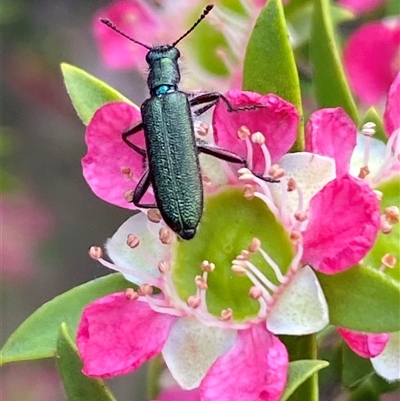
point(371, 59)
point(24, 225)
point(361, 6)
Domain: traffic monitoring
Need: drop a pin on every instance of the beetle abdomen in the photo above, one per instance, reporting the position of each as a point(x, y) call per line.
point(173, 161)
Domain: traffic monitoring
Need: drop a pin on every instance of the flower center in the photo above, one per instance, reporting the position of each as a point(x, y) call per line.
point(228, 226)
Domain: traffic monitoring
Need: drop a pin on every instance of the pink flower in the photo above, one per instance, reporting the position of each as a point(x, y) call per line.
point(371, 59)
point(374, 163)
point(361, 6)
point(224, 294)
point(136, 19)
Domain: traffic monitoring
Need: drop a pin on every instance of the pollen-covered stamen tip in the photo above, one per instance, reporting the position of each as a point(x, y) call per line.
point(276, 172)
point(243, 132)
point(128, 195)
point(301, 216)
point(255, 292)
point(206, 266)
point(291, 185)
point(238, 267)
point(166, 236)
point(388, 260)
point(245, 174)
point(364, 171)
point(368, 129)
point(95, 252)
point(132, 241)
point(248, 191)
point(255, 245)
point(296, 237)
point(392, 214)
point(385, 226)
point(131, 294)
point(193, 301)
point(145, 289)
point(164, 267)
point(154, 215)
point(203, 129)
point(127, 172)
point(226, 314)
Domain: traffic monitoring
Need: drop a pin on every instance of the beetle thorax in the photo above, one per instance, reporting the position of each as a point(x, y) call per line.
point(163, 68)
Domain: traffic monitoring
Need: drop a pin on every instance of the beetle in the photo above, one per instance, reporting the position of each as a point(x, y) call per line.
point(172, 150)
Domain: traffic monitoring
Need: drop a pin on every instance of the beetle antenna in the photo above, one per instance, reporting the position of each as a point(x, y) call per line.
point(114, 28)
point(202, 16)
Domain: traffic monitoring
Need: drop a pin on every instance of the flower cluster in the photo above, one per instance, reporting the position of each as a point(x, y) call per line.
point(248, 273)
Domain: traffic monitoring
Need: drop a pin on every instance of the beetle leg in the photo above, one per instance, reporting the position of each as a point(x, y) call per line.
point(223, 154)
point(132, 131)
point(140, 190)
point(212, 99)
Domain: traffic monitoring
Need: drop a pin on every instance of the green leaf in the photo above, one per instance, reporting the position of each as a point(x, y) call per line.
point(387, 243)
point(362, 299)
point(372, 116)
point(299, 372)
point(330, 82)
point(36, 337)
point(77, 386)
point(87, 92)
point(354, 368)
point(269, 64)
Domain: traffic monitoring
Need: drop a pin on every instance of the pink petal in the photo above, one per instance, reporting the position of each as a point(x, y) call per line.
point(370, 60)
point(136, 19)
point(331, 132)
point(254, 369)
point(391, 117)
point(343, 224)
point(361, 6)
point(116, 335)
point(107, 154)
point(277, 121)
point(364, 344)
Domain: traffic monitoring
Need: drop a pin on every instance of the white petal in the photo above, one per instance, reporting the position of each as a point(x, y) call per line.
point(311, 173)
point(145, 257)
point(387, 364)
point(301, 308)
point(192, 348)
point(376, 156)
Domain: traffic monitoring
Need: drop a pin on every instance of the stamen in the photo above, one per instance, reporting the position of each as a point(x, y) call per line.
point(301, 216)
point(164, 267)
point(226, 314)
point(193, 301)
point(245, 174)
point(392, 214)
point(132, 241)
point(206, 180)
point(127, 172)
point(276, 172)
point(131, 294)
point(128, 195)
point(203, 129)
point(258, 138)
point(238, 268)
point(364, 171)
point(244, 134)
point(206, 266)
point(249, 191)
point(295, 237)
point(291, 185)
point(95, 252)
point(267, 158)
point(166, 236)
point(255, 292)
point(145, 289)
point(201, 284)
point(388, 260)
point(154, 215)
point(255, 245)
point(385, 226)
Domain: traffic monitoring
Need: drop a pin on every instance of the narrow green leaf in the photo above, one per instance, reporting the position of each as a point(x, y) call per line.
point(330, 82)
point(36, 337)
point(87, 92)
point(354, 368)
point(299, 372)
point(372, 116)
point(77, 386)
point(269, 64)
point(362, 299)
